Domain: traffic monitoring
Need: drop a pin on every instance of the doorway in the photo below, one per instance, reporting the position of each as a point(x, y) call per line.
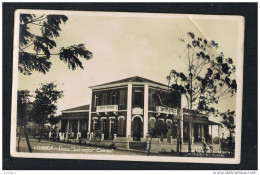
point(104, 128)
point(137, 129)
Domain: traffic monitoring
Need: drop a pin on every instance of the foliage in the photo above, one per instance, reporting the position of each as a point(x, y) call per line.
point(24, 107)
point(229, 120)
point(45, 102)
point(53, 120)
point(24, 114)
point(209, 75)
point(159, 129)
point(208, 78)
point(35, 44)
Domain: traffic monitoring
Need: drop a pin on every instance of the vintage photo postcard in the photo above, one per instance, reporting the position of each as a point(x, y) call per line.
point(127, 86)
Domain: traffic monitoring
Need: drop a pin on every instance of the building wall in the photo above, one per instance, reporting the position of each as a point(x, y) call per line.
point(138, 96)
point(112, 96)
point(75, 122)
point(109, 124)
point(170, 120)
point(140, 118)
point(75, 115)
point(135, 116)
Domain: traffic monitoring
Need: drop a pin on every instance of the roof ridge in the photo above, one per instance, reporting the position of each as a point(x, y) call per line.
point(142, 78)
point(131, 79)
point(77, 108)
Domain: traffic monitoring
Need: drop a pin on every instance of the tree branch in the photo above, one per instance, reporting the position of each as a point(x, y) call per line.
point(37, 19)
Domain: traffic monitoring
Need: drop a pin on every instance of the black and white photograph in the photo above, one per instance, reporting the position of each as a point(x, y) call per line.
point(127, 86)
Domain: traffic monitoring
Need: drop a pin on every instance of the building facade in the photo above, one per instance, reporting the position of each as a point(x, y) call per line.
point(127, 109)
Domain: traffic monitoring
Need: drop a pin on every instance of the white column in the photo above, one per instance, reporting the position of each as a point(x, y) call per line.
point(181, 126)
point(129, 109)
point(78, 129)
point(109, 134)
point(68, 127)
point(145, 109)
point(89, 117)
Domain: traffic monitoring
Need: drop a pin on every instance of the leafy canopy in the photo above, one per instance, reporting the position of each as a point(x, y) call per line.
point(229, 120)
point(24, 107)
point(45, 103)
point(53, 120)
point(159, 129)
point(36, 40)
point(208, 77)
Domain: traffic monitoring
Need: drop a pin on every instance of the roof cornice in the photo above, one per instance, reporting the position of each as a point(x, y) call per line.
point(126, 83)
point(71, 111)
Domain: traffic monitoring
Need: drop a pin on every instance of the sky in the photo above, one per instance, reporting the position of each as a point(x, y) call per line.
point(125, 46)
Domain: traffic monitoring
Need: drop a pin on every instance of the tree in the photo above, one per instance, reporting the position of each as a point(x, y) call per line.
point(159, 129)
point(229, 122)
point(24, 109)
point(54, 120)
point(45, 103)
point(208, 77)
point(36, 40)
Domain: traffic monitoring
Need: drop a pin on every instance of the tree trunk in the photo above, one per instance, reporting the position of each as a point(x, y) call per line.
point(27, 140)
point(19, 138)
point(149, 148)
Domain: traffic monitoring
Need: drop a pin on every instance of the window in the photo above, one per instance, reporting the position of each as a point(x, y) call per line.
point(170, 127)
point(103, 125)
point(94, 124)
point(121, 126)
point(96, 100)
point(113, 98)
point(112, 127)
point(122, 97)
point(138, 97)
point(103, 99)
point(152, 122)
point(153, 98)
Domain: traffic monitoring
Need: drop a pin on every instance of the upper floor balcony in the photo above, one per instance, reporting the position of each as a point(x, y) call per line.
point(137, 111)
point(166, 110)
point(107, 108)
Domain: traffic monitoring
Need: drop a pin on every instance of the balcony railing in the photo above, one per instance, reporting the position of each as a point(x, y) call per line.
point(137, 111)
point(165, 110)
point(107, 108)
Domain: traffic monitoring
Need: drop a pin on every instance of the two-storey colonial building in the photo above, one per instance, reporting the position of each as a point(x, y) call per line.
point(131, 106)
point(127, 109)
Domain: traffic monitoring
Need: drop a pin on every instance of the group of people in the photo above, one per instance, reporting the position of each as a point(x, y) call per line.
point(71, 135)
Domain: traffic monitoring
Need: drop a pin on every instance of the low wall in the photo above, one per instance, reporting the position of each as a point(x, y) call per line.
point(156, 145)
point(100, 143)
point(121, 144)
point(169, 147)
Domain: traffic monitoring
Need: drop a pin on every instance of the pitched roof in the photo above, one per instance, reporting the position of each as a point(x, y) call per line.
point(132, 79)
point(79, 108)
